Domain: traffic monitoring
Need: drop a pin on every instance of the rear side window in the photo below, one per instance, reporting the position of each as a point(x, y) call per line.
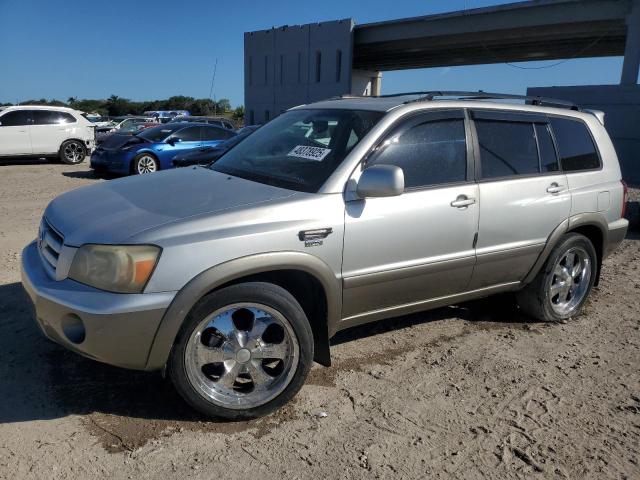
point(214, 133)
point(575, 145)
point(50, 117)
point(507, 148)
point(429, 153)
point(15, 118)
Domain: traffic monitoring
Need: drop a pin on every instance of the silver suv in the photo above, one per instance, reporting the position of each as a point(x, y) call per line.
point(234, 277)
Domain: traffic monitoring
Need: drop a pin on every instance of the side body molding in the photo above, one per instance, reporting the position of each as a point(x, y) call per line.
point(226, 272)
point(579, 220)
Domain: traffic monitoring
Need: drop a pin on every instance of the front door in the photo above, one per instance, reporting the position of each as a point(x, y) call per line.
point(524, 194)
point(400, 252)
point(14, 133)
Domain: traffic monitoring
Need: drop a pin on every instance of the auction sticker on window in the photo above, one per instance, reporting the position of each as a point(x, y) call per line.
point(310, 153)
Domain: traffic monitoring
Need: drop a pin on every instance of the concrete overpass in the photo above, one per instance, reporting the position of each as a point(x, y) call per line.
point(539, 30)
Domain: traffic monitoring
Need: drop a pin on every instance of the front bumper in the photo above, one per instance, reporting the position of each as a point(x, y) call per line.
point(109, 327)
point(105, 160)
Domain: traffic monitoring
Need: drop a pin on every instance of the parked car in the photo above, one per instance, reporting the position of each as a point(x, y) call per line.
point(100, 122)
point(128, 126)
point(153, 148)
point(233, 278)
point(165, 116)
point(218, 121)
point(44, 131)
point(207, 155)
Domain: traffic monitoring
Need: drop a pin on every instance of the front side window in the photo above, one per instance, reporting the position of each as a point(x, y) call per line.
point(159, 133)
point(190, 134)
point(15, 118)
point(429, 153)
point(575, 145)
point(507, 148)
point(299, 149)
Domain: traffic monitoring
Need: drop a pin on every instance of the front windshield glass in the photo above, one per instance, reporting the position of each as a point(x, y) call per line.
point(298, 150)
point(158, 134)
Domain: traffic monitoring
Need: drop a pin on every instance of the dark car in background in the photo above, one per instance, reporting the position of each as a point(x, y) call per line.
point(124, 126)
point(154, 148)
point(207, 155)
point(218, 121)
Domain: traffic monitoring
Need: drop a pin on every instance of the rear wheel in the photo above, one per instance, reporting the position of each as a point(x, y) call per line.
point(145, 163)
point(562, 286)
point(243, 352)
point(72, 152)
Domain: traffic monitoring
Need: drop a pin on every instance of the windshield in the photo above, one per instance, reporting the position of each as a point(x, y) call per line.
point(298, 150)
point(158, 134)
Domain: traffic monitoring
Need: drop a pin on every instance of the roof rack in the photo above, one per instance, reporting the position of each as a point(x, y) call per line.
point(480, 95)
point(468, 95)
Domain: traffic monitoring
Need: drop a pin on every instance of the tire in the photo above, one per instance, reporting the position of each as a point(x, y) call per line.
point(72, 152)
point(222, 362)
point(559, 290)
point(145, 163)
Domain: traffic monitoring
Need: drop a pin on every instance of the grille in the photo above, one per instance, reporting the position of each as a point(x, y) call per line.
point(49, 244)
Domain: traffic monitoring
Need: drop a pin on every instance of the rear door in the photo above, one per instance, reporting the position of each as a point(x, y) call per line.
point(49, 129)
point(404, 250)
point(523, 194)
point(14, 133)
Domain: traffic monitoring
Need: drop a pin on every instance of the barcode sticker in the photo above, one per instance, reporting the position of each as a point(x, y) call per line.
point(310, 153)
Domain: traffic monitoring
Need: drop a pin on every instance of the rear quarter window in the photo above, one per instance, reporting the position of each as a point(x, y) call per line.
point(575, 145)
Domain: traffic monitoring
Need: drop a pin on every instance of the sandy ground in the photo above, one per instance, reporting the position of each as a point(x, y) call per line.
point(472, 391)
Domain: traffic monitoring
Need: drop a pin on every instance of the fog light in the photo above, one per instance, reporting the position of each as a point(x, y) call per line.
point(73, 328)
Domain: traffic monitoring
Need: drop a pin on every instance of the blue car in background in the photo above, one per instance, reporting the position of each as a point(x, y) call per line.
point(153, 149)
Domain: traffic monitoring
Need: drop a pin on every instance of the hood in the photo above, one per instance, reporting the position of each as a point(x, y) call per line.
point(119, 140)
point(114, 211)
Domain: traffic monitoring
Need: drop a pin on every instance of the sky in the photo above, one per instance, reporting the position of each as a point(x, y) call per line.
point(153, 49)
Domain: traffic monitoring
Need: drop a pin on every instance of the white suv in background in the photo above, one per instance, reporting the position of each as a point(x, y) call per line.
point(44, 131)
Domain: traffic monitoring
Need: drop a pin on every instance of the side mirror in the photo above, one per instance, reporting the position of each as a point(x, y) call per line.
point(381, 181)
point(173, 140)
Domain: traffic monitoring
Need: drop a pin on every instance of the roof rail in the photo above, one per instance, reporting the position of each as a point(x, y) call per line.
point(481, 95)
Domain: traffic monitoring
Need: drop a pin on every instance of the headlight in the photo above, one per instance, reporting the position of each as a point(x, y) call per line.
point(115, 268)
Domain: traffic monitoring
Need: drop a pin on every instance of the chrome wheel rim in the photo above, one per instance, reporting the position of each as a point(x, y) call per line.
point(74, 152)
point(570, 281)
point(147, 164)
point(242, 355)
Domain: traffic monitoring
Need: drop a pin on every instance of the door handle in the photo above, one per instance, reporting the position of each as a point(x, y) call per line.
point(463, 201)
point(555, 188)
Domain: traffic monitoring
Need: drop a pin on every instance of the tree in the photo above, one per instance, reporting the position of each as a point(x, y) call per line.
point(238, 114)
point(117, 106)
point(223, 105)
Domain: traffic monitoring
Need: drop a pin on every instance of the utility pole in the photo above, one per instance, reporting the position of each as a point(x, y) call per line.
point(213, 78)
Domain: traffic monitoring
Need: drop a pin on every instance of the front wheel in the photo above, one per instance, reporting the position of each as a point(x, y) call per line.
point(243, 351)
point(145, 163)
point(72, 152)
point(562, 286)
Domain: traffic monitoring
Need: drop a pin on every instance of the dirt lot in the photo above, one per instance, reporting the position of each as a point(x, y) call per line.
point(472, 391)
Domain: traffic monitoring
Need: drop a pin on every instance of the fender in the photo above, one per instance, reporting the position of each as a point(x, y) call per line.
point(226, 272)
point(579, 220)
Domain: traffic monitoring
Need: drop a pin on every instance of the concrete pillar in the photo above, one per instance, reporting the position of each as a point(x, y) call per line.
point(376, 84)
point(631, 63)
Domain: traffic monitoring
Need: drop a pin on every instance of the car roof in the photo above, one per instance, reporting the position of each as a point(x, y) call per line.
point(40, 107)
point(195, 124)
point(436, 99)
